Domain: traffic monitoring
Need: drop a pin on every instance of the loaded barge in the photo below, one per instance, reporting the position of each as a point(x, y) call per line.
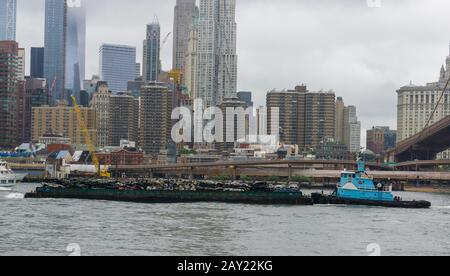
point(255, 196)
point(359, 188)
point(355, 188)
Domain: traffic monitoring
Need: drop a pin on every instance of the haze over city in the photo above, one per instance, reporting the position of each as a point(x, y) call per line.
point(364, 54)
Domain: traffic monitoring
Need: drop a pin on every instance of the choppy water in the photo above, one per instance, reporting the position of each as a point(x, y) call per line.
point(47, 227)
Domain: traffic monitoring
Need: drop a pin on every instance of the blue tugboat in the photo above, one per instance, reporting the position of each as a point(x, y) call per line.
point(359, 188)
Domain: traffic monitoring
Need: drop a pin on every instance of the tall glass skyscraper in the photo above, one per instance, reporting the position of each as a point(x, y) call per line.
point(55, 46)
point(185, 14)
point(8, 13)
point(75, 47)
point(117, 66)
point(152, 61)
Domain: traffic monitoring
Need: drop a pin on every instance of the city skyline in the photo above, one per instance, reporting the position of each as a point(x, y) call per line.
point(364, 47)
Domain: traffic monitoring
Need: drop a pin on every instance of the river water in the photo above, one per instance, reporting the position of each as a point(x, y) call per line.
point(62, 227)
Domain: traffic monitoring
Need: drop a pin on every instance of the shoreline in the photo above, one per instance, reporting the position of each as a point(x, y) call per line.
point(428, 189)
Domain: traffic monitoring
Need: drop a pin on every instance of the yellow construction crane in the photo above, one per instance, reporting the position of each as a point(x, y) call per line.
point(102, 172)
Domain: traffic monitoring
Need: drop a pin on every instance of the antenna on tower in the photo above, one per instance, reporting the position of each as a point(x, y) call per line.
point(156, 19)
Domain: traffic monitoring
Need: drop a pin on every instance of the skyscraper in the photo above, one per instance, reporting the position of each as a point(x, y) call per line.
point(117, 66)
point(352, 129)
point(35, 95)
point(152, 61)
point(138, 70)
point(155, 117)
point(37, 63)
point(55, 46)
point(245, 96)
point(9, 85)
point(22, 66)
point(185, 14)
point(190, 63)
point(306, 119)
point(100, 103)
point(123, 118)
point(216, 57)
point(76, 48)
point(381, 139)
point(8, 13)
point(340, 106)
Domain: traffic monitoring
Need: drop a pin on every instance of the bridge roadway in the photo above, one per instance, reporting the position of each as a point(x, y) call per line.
point(325, 170)
point(174, 167)
point(425, 144)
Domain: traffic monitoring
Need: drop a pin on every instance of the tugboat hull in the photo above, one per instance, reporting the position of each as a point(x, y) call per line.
point(325, 199)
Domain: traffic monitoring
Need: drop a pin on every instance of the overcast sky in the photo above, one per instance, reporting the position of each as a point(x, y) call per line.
point(364, 54)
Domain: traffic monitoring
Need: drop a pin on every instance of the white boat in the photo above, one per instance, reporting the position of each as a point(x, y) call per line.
point(8, 178)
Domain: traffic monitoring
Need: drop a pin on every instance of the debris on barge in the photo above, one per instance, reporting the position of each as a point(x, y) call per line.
point(172, 191)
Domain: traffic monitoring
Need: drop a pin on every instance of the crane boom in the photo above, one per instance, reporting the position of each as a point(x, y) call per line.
point(82, 123)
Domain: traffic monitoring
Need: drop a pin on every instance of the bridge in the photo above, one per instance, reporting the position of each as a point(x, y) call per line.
point(425, 145)
point(265, 167)
point(323, 171)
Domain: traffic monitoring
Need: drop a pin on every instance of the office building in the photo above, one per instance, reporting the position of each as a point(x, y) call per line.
point(32, 93)
point(155, 117)
point(135, 87)
point(245, 96)
point(138, 70)
point(37, 63)
point(55, 47)
point(190, 63)
point(8, 15)
point(101, 104)
point(75, 48)
point(9, 88)
point(381, 139)
point(151, 57)
point(234, 114)
point(352, 129)
point(185, 14)
point(305, 118)
point(216, 54)
point(117, 66)
point(340, 106)
point(63, 120)
point(21, 65)
point(124, 118)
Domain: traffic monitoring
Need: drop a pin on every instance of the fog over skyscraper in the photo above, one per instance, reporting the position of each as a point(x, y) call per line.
point(217, 59)
point(55, 46)
point(185, 14)
point(8, 13)
point(75, 47)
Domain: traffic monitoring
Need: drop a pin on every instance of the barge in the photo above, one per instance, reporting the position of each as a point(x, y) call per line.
point(173, 196)
point(359, 188)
